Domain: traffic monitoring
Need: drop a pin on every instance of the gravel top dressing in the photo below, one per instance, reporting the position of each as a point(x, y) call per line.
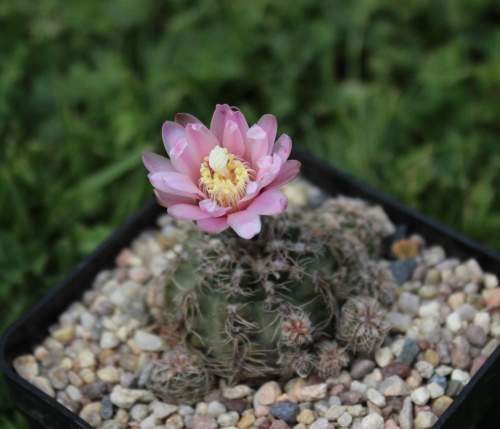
point(442, 325)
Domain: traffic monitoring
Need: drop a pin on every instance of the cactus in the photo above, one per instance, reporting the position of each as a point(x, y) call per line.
point(270, 305)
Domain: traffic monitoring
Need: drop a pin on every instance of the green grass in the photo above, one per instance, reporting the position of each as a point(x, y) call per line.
point(402, 95)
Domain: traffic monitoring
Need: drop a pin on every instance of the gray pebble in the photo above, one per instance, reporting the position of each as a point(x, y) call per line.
point(286, 411)
point(106, 408)
point(361, 367)
point(476, 336)
point(403, 269)
point(408, 352)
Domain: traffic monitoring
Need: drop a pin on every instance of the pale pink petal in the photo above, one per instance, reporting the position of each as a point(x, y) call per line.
point(269, 124)
point(283, 147)
point(257, 144)
point(166, 200)
point(253, 189)
point(290, 171)
point(187, 212)
point(235, 115)
point(212, 225)
point(244, 223)
point(171, 134)
point(218, 123)
point(175, 183)
point(232, 139)
point(200, 141)
point(267, 175)
point(155, 163)
point(213, 209)
point(269, 203)
point(183, 161)
point(185, 118)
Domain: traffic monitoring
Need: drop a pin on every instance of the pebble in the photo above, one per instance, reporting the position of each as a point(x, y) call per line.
point(373, 421)
point(321, 423)
point(432, 357)
point(476, 364)
point(106, 408)
point(109, 340)
point(162, 410)
point(313, 392)
point(65, 334)
point(267, 394)
point(350, 397)
point(334, 412)
point(287, 411)
point(43, 384)
point(228, 419)
point(91, 413)
point(460, 358)
point(204, 421)
point(95, 390)
point(139, 412)
point(126, 398)
point(345, 420)
point(454, 322)
point(150, 422)
point(424, 368)
point(409, 303)
point(440, 405)
point(420, 396)
point(306, 417)
point(467, 312)
point(383, 356)
point(279, 424)
point(377, 398)
point(215, 409)
point(490, 281)
point(238, 405)
point(425, 420)
point(58, 377)
point(109, 374)
point(476, 336)
point(396, 368)
point(394, 386)
point(148, 342)
point(246, 421)
point(238, 392)
point(402, 269)
point(26, 366)
point(435, 390)
point(175, 421)
point(361, 367)
point(406, 415)
point(454, 388)
point(409, 352)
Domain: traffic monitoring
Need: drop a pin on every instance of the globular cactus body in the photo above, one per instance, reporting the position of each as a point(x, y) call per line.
point(263, 306)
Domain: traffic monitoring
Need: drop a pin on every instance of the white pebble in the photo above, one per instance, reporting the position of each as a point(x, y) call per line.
point(483, 319)
point(459, 375)
point(425, 420)
point(377, 398)
point(420, 396)
point(108, 340)
point(237, 392)
point(424, 368)
point(345, 420)
point(373, 421)
point(454, 322)
point(228, 419)
point(215, 409)
point(148, 342)
point(490, 281)
point(435, 390)
point(429, 309)
point(162, 410)
point(384, 356)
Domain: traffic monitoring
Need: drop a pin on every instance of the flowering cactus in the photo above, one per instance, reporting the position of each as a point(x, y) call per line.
point(225, 176)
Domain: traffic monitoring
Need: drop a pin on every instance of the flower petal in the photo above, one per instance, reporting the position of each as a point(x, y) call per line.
point(253, 189)
point(234, 114)
point(257, 143)
point(290, 171)
point(233, 140)
point(165, 199)
point(269, 124)
point(200, 142)
point(218, 123)
point(283, 147)
point(175, 183)
point(187, 212)
point(171, 134)
point(269, 203)
point(183, 119)
point(212, 225)
point(155, 163)
point(213, 209)
point(245, 224)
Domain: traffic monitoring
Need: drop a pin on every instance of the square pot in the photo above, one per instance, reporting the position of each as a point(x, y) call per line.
point(475, 407)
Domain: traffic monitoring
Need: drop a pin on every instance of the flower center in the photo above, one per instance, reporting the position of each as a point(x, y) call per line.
point(225, 177)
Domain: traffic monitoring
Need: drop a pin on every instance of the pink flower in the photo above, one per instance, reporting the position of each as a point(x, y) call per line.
point(225, 176)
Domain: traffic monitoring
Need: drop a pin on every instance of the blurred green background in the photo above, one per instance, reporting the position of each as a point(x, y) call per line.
point(404, 95)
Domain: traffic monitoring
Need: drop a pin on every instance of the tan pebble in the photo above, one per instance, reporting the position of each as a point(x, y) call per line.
point(414, 381)
point(405, 249)
point(306, 417)
point(174, 422)
point(44, 385)
point(64, 334)
point(75, 379)
point(246, 421)
point(294, 386)
point(87, 375)
point(490, 281)
point(432, 357)
point(440, 405)
point(287, 398)
point(104, 355)
point(122, 416)
point(26, 366)
point(456, 300)
point(356, 410)
point(267, 394)
point(109, 374)
point(259, 421)
point(313, 392)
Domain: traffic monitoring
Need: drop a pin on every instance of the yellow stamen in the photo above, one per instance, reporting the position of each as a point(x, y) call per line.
point(225, 177)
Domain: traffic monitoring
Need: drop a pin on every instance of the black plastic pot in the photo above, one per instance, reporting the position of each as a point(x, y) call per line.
point(475, 407)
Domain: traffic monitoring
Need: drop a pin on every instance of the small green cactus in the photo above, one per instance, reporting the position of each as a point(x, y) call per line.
point(270, 305)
